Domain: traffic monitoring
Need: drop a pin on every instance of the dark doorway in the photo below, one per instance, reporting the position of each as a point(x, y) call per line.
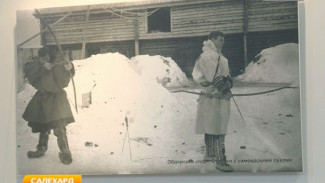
point(92, 51)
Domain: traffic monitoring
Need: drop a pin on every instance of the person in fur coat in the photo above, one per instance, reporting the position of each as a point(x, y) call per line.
point(49, 108)
point(212, 72)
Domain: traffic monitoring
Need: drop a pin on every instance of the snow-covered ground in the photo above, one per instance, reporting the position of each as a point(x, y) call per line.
point(161, 124)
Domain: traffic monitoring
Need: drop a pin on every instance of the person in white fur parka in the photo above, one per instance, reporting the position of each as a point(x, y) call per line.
point(211, 70)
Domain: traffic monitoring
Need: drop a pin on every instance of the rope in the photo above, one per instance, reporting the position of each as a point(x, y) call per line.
point(122, 16)
point(133, 13)
point(152, 12)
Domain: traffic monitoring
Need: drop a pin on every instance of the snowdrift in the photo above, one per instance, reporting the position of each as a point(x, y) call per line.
point(120, 97)
point(164, 70)
point(279, 64)
point(160, 124)
point(118, 92)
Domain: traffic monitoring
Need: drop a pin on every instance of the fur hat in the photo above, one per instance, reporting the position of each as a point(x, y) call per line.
point(216, 34)
point(43, 52)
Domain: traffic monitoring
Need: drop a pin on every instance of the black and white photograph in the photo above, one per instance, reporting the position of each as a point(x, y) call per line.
point(159, 87)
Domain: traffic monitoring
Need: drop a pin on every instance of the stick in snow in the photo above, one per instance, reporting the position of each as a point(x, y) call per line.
point(127, 134)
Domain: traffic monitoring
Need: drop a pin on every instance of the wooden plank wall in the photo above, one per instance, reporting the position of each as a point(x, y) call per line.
point(224, 15)
point(272, 15)
point(234, 52)
point(123, 47)
point(73, 51)
point(185, 51)
point(269, 24)
point(257, 41)
point(227, 15)
point(102, 27)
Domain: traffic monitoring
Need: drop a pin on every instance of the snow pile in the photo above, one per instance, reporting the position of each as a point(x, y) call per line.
point(164, 70)
point(160, 126)
point(279, 64)
point(118, 92)
point(119, 97)
point(122, 97)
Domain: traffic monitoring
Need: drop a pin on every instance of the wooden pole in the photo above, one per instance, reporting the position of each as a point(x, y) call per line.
point(136, 37)
point(245, 30)
point(83, 49)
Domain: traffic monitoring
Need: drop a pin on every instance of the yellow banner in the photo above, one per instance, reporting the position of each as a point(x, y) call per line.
point(52, 179)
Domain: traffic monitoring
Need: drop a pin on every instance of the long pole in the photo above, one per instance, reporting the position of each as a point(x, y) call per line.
point(245, 30)
point(83, 49)
point(136, 37)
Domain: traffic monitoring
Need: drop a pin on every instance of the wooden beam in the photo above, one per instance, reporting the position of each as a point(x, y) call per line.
point(83, 49)
point(245, 32)
point(136, 37)
point(171, 19)
point(146, 22)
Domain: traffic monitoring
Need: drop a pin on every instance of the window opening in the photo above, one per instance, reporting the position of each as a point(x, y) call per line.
point(159, 21)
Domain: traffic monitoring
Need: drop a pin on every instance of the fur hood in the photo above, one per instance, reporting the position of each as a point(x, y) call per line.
point(205, 66)
point(208, 46)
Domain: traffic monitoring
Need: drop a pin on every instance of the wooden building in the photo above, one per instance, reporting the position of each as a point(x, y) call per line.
point(173, 28)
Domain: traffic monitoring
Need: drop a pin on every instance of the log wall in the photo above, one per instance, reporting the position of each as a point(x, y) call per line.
point(257, 41)
point(267, 23)
point(185, 51)
point(272, 15)
point(187, 20)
